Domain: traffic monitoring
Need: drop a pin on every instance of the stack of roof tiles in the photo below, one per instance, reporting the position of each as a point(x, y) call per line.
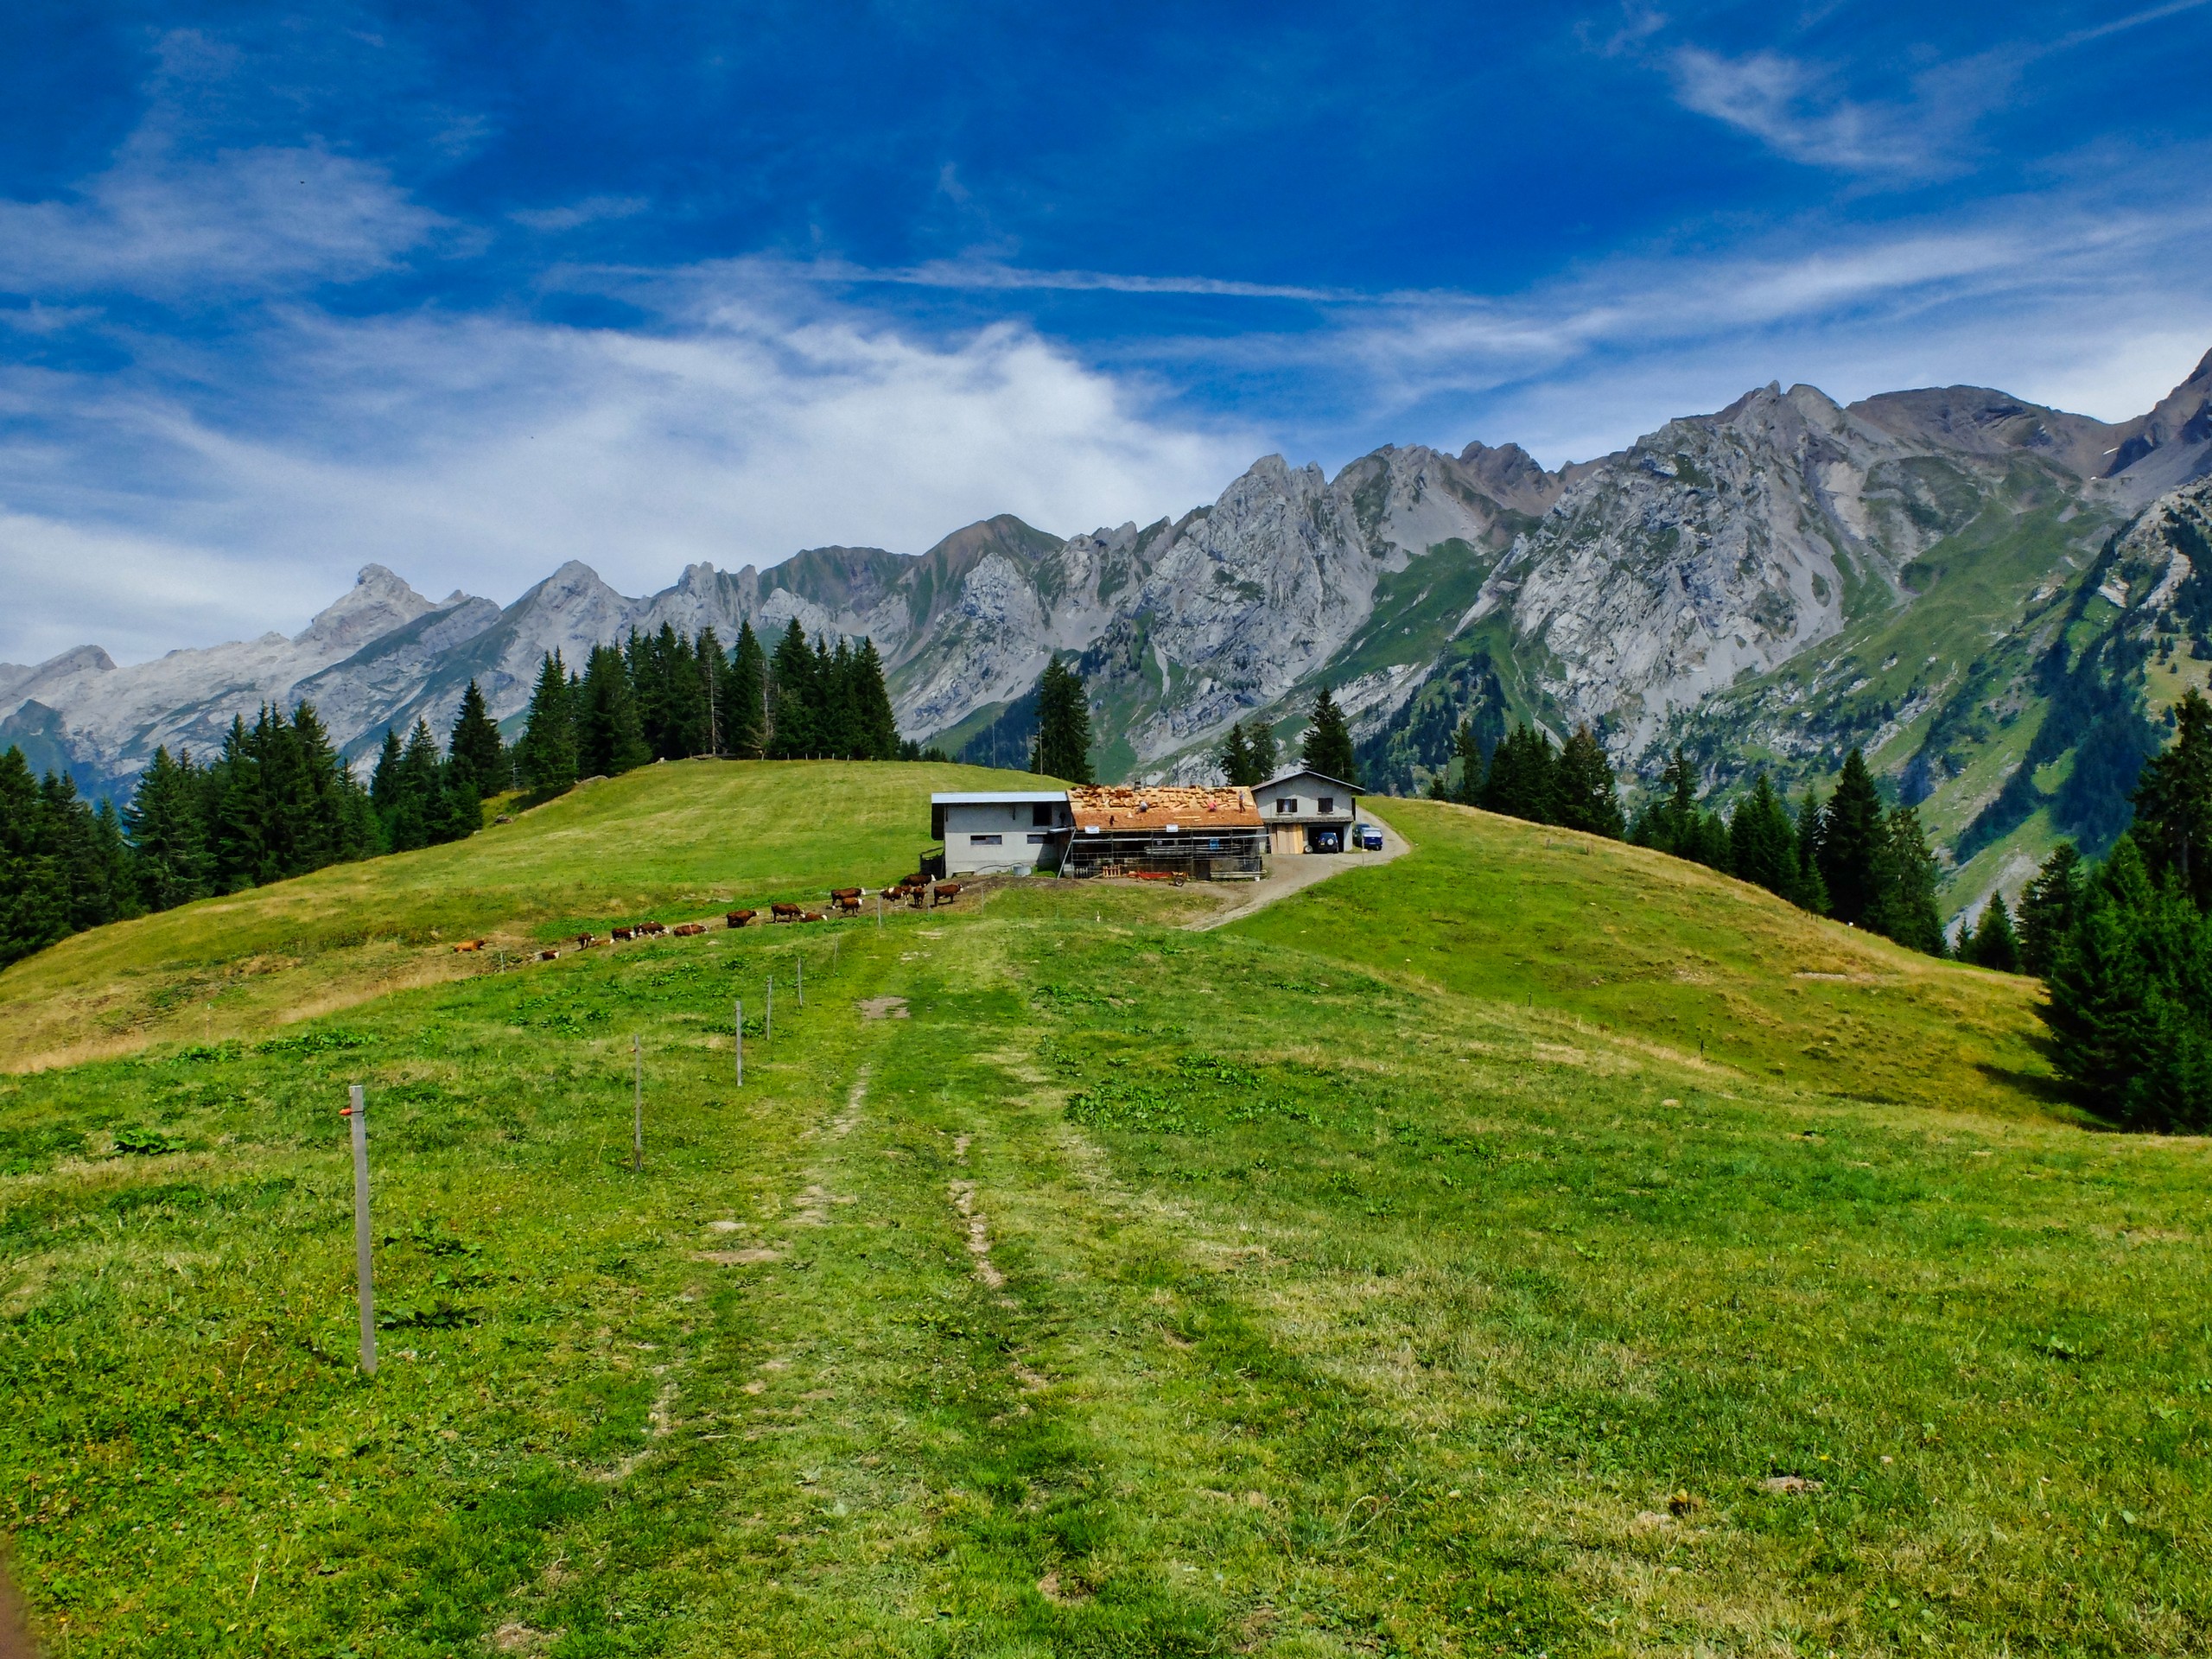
point(1165, 806)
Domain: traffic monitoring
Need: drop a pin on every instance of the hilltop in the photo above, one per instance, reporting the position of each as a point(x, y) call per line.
point(1384, 1269)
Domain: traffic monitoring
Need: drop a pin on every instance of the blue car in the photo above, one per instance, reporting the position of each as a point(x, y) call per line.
point(1367, 838)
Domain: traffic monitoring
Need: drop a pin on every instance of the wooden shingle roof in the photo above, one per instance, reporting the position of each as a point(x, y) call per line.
point(1129, 806)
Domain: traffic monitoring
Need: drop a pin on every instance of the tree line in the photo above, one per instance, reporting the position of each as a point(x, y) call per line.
point(663, 696)
point(2125, 947)
point(1248, 754)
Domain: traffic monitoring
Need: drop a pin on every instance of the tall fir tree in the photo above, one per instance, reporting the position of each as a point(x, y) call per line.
point(1853, 831)
point(878, 727)
point(168, 840)
point(839, 736)
point(610, 735)
point(2050, 906)
point(1903, 905)
point(1063, 749)
point(795, 698)
point(1521, 782)
point(1267, 754)
point(546, 756)
point(1236, 757)
point(711, 662)
point(1992, 943)
point(1763, 842)
point(1469, 762)
point(748, 710)
point(1583, 788)
point(2173, 803)
point(1328, 741)
point(476, 744)
point(1812, 831)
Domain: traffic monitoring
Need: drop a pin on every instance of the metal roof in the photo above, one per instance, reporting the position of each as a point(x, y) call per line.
point(996, 797)
point(1308, 771)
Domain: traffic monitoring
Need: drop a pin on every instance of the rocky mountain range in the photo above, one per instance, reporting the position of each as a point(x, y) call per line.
point(1918, 572)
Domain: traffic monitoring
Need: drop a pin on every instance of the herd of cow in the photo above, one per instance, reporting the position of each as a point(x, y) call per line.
point(916, 891)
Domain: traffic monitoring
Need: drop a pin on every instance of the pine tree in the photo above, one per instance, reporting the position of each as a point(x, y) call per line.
point(547, 754)
point(2050, 907)
point(168, 842)
point(1812, 829)
point(1762, 843)
point(795, 698)
point(1063, 748)
point(33, 892)
point(1668, 822)
point(712, 665)
point(747, 715)
point(877, 726)
point(1467, 755)
point(610, 737)
point(1328, 741)
point(316, 830)
point(1236, 757)
point(233, 813)
point(1992, 943)
point(1267, 756)
point(1852, 837)
point(1583, 788)
point(1903, 905)
point(475, 743)
point(1521, 782)
point(2173, 803)
point(841, 734)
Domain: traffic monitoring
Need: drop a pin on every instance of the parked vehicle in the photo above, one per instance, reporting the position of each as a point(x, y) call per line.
point(1326, 842)
point(1367, 838)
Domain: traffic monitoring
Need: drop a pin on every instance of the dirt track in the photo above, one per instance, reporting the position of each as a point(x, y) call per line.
point(1287, 875)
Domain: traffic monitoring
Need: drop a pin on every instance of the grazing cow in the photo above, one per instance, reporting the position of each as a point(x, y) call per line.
point(585, 941)
point(847, 902)
point(914, 896)
point(786, 912)
point(844, 893)
point(685, 929)
point(644, 930)
point(946, 893)
point(894, 893)
point(467, 945)
point(740, 917)
point(548, 956)
point(622, 933)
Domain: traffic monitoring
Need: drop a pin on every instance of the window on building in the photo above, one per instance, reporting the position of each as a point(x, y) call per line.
point(1041, 813)
point(1326, 804)
point(1286, 805)
point(1038, 840)
point(986, 840)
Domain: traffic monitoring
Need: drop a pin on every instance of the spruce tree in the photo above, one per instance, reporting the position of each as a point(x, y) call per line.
point(1583, 787)
point(2050, 907)
point(1266, 757)
point(1063, 749)
point(1992, 943)
point(711, 662)
point(233, 813)
point(2173, 803)
point(1467, 755)
point(318, 820)
point(1903, 905)
point(877, 726)
point(841, 733)
point(794, 698)
point(1328, 741)
point(1521, 782)
point(1236, 757)
point(1669, 821)
point(747, 715)
point(610, 736)
point(1762, 845)
point(168, 842)
point(547, 754)
point(33, 892)
point(1853, 831)
point(1812, 828)
point(475, 743)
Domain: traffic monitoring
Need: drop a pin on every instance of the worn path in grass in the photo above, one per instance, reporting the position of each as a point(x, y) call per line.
point(1140, 1292)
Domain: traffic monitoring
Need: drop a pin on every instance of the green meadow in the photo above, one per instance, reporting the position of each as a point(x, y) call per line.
point(1384, 1272)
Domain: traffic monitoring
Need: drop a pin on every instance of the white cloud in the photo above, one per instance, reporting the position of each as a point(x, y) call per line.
point(589, 211)
point(1794, 108)
point(480, 452)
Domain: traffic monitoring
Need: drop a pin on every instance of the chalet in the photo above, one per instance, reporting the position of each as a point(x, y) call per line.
point(1307, 811)
point(1203, 834)
point(999, 832)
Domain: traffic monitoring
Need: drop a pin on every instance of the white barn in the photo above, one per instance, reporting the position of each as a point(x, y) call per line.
point(999, 832)
point(1307, 811)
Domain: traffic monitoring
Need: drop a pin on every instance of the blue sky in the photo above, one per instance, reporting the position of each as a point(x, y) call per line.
point(468, 290)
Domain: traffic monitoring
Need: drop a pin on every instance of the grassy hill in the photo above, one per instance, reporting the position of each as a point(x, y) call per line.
point(1294, 1288)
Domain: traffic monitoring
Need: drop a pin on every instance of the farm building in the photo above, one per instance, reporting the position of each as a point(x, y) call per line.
point(1210, 835)
point(1307, 811)
point(999, 832)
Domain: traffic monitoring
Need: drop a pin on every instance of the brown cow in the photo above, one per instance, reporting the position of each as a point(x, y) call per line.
point(894, 895)
point(548, 956)
point(786, 912)
point(945, 893)
point(810, 916)
point(844, 893)
point(847, 902)
point(621, 933)
point(470, 945)
point(740, 917)
point(585, 941)
point(645, 929)
point(685, 929)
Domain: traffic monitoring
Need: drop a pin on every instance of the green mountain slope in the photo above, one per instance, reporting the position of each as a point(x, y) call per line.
point(1112, 1288)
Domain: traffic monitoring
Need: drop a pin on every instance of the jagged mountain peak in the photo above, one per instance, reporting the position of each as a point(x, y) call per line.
point(378, 601)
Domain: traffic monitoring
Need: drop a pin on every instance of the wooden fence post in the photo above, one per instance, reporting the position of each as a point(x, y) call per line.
point(636, 1104)
point(799, 963)
point(363, 1268)
point(740, 1042)
point(768, 1018)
